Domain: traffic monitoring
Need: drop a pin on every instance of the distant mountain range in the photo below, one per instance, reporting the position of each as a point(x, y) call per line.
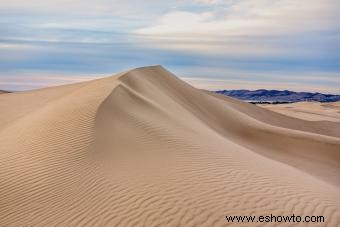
point(276, 96)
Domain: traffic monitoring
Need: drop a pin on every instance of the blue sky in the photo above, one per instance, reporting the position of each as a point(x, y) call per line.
point(213, 44)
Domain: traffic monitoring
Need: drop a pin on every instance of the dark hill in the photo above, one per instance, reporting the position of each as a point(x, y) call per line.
point(276, 96)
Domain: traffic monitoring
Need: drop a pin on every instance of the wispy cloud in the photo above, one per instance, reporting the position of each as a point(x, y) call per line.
point(224, 78)
point(247, 37)
point(247, 27)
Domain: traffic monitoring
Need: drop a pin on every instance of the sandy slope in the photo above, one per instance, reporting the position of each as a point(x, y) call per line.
point(313, 111)
point(143, 148)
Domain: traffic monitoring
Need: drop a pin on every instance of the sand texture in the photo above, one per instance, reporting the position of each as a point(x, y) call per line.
point(312, 111)
point(143, 148)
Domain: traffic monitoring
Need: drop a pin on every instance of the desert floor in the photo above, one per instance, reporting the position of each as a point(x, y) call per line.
point(312, 111)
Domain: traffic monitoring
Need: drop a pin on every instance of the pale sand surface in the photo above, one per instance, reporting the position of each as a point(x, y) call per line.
point(143, 148)
point(312, 111)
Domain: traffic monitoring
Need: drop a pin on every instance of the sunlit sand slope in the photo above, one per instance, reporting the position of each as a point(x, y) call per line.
point(313, 111)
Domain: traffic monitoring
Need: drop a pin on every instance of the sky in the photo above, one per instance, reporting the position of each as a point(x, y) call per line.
point(212, 44)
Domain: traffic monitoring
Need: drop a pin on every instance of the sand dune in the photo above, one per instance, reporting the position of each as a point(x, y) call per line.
point(143, 148)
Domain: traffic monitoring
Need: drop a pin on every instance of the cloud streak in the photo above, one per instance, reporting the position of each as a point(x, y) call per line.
point(247, 27)
point(247, 37)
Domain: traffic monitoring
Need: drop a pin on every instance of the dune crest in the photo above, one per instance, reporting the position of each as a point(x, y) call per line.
point(143, 148)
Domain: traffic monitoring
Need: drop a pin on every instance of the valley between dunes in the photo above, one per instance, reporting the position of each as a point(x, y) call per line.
point(143, 148)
